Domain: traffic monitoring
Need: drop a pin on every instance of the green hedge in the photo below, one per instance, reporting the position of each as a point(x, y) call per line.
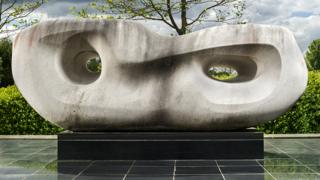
point(17, 117)
point(304, 116)
point(6, 78)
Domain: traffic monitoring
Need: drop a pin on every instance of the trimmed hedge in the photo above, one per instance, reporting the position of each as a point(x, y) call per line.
point(17, 117)
point(304, 116)
point(6, 78)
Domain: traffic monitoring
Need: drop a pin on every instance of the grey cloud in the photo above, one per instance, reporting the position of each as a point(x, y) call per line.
point(286, 13)
point(58, 8)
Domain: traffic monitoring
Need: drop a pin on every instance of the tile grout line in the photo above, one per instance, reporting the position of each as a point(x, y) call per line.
point(311, 148)
point(174, 169)
point(219, 169)
point(295, 159)
point(127, 173)
point(41, 168)
point(38, 151)
point(266, 170)
point(82, 170)
point(29, 156)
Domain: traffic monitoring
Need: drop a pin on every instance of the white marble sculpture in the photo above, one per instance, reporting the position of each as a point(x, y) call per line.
point(153, 82)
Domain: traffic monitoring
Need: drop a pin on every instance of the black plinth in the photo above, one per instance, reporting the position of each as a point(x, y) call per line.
point(160, 145)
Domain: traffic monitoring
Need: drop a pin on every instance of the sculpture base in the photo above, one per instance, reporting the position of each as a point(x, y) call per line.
point(160, 145)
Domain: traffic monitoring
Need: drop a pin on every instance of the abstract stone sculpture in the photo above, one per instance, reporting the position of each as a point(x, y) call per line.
point(152, 82)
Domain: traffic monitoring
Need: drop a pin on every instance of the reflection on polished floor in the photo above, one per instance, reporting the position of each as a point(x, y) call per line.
point(285, 159)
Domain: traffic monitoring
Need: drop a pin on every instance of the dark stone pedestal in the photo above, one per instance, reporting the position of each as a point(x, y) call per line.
point(160, 145)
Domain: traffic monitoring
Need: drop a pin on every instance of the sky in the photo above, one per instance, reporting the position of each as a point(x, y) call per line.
point(302, 17)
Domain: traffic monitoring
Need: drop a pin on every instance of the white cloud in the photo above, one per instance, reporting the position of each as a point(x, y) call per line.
point(158, 27)
point(300, 16)
point(40, 16)
point(61, 8)
point(305, 29)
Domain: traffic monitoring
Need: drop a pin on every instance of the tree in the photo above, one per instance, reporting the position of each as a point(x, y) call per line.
point(1, 71)
point(6, 78)
point(13, 13)
point(181, 15)
point(313, 55)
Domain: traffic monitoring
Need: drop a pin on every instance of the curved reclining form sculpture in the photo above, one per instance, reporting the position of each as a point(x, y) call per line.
point(152, 82)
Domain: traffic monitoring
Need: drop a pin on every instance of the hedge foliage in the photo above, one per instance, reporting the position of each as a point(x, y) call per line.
point(6, 78)
point(304, 116)
point(17, 117)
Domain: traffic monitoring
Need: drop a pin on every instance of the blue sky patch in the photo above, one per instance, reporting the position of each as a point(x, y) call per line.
point(301, 14)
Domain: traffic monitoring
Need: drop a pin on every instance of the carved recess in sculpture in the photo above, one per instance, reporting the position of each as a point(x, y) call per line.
point(153, 82)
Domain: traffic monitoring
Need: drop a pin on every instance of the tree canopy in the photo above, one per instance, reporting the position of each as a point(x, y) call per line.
point(14, 13)
point(313, 55)
point(6, 78)
point(181, 15)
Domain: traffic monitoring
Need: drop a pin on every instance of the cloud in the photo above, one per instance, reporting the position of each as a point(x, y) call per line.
point(61, 8)
point(158, 27)
point(300, 16)
point(306, 29)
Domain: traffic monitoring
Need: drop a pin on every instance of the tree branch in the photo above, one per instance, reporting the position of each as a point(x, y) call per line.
point(158, 12)
point(9, 7)
point(205, 10)
point(171, 17)
point(23, 14)
point(184, 24)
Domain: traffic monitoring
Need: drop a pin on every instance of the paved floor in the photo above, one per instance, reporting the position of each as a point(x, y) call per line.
point(285, 159)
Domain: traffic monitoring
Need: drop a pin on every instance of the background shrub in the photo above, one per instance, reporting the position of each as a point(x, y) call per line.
point(304, 116)
point(313, 55)
point(17, 117)
point(6, 78)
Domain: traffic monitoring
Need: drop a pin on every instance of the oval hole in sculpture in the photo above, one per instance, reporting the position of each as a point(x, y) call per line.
point(82, 68)
point(87, 66)
point(79, 60)
point(223, 73)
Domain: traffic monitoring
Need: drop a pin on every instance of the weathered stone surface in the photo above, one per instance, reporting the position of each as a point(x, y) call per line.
point(152, 82)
